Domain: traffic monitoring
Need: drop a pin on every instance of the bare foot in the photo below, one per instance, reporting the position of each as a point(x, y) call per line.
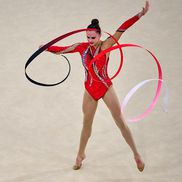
point(140, 163)
point(78, 163)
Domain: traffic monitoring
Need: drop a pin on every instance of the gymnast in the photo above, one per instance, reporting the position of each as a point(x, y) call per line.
point(98, 84)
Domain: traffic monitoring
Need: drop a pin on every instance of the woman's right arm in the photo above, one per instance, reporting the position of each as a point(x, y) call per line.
point(63, 49)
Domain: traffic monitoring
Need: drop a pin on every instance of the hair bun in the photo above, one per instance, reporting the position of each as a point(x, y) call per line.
point(95, 22)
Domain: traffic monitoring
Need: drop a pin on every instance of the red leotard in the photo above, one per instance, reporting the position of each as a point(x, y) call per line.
point(97, 81)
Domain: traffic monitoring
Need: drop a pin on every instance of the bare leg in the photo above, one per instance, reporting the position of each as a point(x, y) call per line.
point(89, 108)
point(111, 100)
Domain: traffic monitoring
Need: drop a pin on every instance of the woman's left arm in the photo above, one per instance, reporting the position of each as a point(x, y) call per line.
point(109, 42)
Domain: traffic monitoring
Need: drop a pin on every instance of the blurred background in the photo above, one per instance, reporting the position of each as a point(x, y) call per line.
point(40, 127)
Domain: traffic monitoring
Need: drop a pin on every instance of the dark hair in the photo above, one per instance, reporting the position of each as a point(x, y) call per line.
point(95, 24)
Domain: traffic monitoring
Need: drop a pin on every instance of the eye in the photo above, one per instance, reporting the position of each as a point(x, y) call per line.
point(88, 37)
point(93, 37)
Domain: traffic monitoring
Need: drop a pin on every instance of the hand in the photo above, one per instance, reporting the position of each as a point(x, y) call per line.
point(145, 9)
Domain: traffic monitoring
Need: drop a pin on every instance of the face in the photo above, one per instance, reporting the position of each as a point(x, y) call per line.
point(93, 37)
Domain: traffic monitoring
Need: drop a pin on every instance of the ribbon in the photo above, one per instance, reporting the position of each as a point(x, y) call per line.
point(119, 46)
point(132, 92)
point(43, 48)
point(158, 90)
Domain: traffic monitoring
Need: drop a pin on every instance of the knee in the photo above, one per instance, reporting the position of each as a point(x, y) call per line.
point(87, 121)
point(88, 115)
point(117, 115)
point(119, 119)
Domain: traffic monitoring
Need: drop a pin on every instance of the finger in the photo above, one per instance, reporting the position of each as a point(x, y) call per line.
point(145, 10)
point(147, 5)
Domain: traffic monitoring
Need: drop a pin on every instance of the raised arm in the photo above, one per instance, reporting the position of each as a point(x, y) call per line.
point(109, 42)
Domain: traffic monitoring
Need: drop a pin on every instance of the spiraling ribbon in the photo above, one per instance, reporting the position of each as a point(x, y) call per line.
point(44, 47)
point(119, 46)
point(137, 87)
point(158, 90)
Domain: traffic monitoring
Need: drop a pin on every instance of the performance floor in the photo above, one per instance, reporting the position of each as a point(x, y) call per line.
point(40, 126)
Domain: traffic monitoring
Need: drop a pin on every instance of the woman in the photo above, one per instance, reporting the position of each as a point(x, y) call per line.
point(98, 85)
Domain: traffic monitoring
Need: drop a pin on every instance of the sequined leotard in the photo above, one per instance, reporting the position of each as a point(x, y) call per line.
point(97, 81)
